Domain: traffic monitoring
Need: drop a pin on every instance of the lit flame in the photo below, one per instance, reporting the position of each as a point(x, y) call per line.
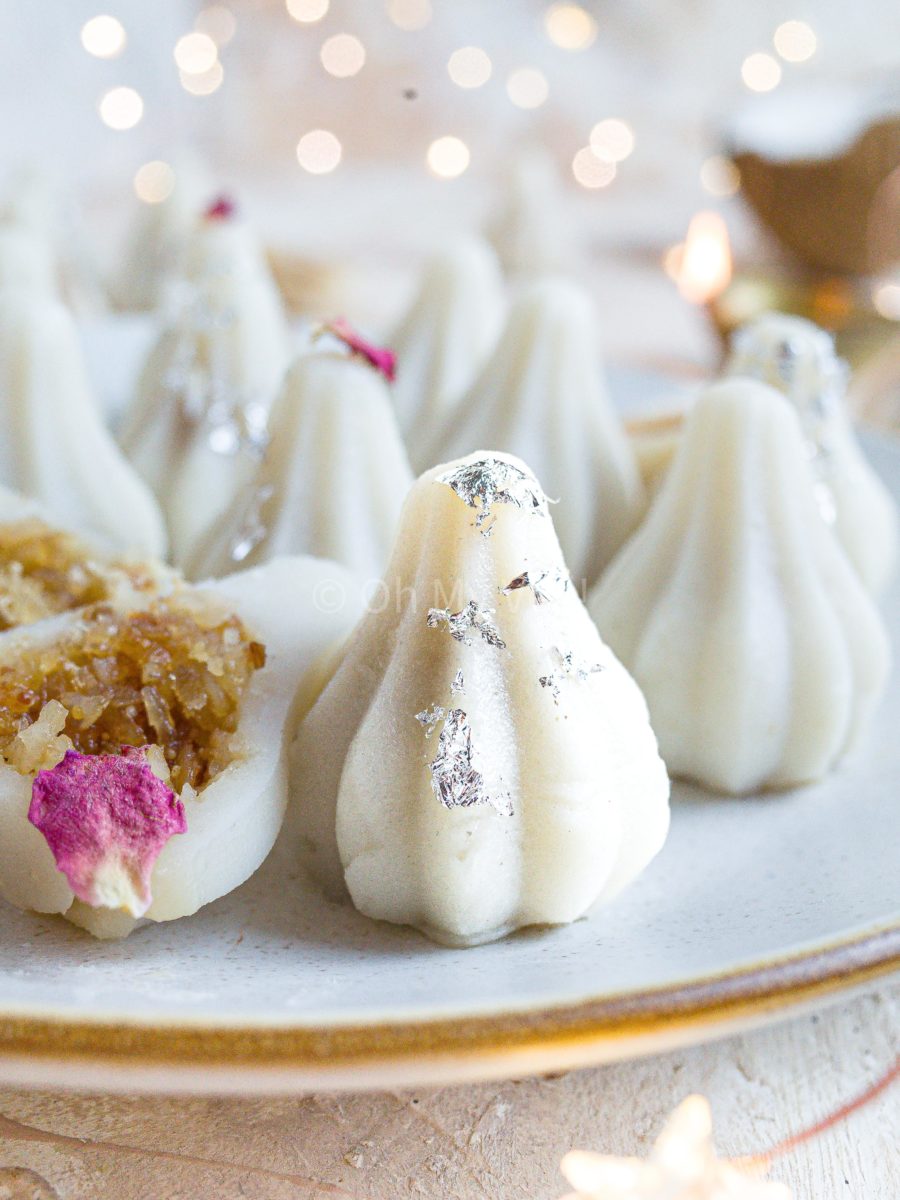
point(705, 267)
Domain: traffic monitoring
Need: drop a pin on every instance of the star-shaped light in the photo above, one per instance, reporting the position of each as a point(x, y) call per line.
point(682, 1166)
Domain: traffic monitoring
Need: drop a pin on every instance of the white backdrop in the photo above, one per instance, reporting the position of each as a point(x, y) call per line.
point(671, 69)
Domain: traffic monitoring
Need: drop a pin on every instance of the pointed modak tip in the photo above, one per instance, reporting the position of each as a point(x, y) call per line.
point(775, 327)
point(222, 208)
point(743, 392)
point(487, 478)
point(786, 350)
point(381, 358)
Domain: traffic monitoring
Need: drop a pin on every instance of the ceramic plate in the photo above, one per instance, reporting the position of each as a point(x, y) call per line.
point(754, 908)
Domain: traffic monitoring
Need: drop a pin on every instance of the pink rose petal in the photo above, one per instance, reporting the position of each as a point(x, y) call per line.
point(106, 817)
point(380, 357)
point(223, 208)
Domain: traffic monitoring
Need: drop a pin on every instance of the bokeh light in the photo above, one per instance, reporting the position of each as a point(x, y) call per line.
point(612, 139)
point(527, 87)
point(409, 14)
point(591, 171)
point(121, 108)
point(307, 11)
point(719, 176)
point(343, 55)
point(705, 267)
point(469, 67)
point(154, 182)
point(761, 72)
point(795, 41)
point(196, 53)
point(448, 157)
point(319, 151)
point(103, 36)
point(886, 298)
point(569, 26)
point(204, 84)
point(218, 22)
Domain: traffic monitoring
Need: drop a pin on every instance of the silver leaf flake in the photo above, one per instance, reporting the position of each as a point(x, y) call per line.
point(491, 481)
point(813, 381)
point(428, 718)
point(199, 382)
point(569, 668)
point(809, 372)
point(815, 394)
point(454, 779)
point(252, 529)
point(240, 428)
point(458, 685)
point(469, 618)
point(544, 584)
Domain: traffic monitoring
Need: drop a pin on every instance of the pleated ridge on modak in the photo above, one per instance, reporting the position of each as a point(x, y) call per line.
point(444, 338)
point(197, 426)
point(54, 445)
point(332, 480)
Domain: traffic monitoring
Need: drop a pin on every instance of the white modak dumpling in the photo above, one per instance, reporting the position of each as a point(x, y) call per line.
point(35, 203)
point(125, 724)
point(444, 338)
point(54, 445)
point(152, 254)
point(333, 478)
point(26, 261)
point(479, 761)
point(197, 427)
point(531, 229)
point(799, 359)
point(542, 396)
point(759, 651)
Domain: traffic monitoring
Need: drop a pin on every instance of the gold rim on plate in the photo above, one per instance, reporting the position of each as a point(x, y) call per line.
point(667, 1014)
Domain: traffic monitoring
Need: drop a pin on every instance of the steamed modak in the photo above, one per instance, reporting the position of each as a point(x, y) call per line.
point(480, 760)
point(332, 480)
point(151, 259)
point(734, 606)
point(142, 766)
point(26, 261)
point(54, 445)
point(444, 339)
point(530, 228)
point(542, 396)
point(197, 427)
point(800, 360)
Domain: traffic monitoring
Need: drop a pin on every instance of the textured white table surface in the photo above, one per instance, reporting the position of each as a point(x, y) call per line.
point(487, 1142)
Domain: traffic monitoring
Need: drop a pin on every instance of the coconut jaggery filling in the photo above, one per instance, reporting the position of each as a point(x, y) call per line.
point(172, 675)
point(44, 571)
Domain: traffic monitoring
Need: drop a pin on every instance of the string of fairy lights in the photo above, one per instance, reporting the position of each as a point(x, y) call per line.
point(343, 55)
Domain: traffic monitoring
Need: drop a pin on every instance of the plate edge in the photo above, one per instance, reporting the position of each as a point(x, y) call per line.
point(757, 991)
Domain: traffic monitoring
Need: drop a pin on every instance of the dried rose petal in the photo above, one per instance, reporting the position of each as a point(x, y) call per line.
point(222, 208)
point(379, 357)
point(106, 817)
